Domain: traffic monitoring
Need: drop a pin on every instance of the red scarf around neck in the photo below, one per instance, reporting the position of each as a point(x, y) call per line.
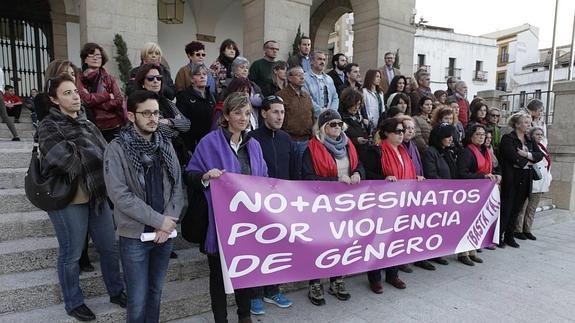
point(484, 163)
point(323, 162)
point(391, 165)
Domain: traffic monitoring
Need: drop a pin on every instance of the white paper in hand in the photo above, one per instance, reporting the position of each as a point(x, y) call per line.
point(150, 236)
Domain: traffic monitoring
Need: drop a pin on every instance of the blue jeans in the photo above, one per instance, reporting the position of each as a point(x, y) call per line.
point(300, 147)
point(71, 225)
point(145, 266)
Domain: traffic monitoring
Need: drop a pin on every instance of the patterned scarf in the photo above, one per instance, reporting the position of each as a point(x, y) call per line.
point(137, 147)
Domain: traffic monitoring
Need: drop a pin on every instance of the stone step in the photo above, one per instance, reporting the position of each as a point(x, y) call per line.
point(14, 226)
point(15, 200)
point(179, 299)
point(36, 253)
point(41, 288)
point(15, 157)
point(12, 177)
point(22, 134)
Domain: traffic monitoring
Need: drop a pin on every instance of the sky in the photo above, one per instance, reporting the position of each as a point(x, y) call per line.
point(477, 17)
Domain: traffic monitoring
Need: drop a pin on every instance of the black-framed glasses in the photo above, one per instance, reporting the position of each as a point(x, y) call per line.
point(334, 124)
point(151, 78)
point(274, 98)
point(399, 131)
point(200, 54)
point(95, 55)
point(149, 114)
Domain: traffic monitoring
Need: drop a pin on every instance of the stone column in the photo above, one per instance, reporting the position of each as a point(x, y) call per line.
point(562, 146)
point(273, 19)
point(135, 20)
point(383, 26)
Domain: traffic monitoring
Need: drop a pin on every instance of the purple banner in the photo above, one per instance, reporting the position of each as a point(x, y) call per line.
point(274, 231)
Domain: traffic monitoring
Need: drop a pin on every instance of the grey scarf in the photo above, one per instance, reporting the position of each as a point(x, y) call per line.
point(337, 147)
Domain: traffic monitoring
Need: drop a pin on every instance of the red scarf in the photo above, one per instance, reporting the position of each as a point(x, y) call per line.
point(484, 163)
point(547, 156)
point(323, 162)
point(390, 164)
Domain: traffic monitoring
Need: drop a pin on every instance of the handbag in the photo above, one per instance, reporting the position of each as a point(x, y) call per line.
point(536, 173)
point(51, 193)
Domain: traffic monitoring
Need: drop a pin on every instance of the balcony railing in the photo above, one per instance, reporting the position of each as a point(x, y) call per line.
point(480, 76)
point(418, 67)
point(453, 72)
point(502, 59)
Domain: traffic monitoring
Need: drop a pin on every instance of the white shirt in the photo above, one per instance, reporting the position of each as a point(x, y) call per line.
point(390, 74)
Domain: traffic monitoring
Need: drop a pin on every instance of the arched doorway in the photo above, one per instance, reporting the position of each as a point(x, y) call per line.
point(26, 43)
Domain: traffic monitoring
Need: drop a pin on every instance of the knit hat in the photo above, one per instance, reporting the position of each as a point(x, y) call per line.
point(440, 132)
point(326, 116)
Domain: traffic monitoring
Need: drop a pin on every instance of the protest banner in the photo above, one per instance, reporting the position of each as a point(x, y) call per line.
point(273, 231)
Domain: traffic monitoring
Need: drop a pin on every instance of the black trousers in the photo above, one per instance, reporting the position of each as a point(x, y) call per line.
point(218, 294)
point(15, 111)
point(512, 202)
point(375, 275)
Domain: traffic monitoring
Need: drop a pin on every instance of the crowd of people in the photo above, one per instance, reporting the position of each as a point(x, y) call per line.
point(142, 157)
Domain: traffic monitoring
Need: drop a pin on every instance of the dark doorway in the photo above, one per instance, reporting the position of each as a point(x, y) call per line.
point(25, 44)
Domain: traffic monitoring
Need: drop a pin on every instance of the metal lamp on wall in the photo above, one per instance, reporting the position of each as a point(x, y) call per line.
point(171, 11)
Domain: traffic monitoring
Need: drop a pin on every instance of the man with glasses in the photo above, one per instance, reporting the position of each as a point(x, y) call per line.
point(278, 152)
point(144, 181)
point(261, 69)
point(298, 120)
point(388, 72)
point(196, 53)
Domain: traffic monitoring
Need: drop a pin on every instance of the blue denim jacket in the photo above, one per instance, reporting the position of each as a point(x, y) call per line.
point(312, 86)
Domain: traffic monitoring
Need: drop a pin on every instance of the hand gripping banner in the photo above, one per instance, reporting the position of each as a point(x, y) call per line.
point(273, 231)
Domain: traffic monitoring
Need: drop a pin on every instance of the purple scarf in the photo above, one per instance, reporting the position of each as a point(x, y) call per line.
point(214, 151)
point(414, 154)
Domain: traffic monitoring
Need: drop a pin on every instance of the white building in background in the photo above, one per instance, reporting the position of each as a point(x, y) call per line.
point(516, 48)
point(445, 54)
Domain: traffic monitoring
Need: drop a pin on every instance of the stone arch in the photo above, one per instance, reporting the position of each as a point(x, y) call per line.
point(59, 32)
point(323, 19)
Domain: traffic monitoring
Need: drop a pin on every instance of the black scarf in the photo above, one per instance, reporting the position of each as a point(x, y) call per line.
point(137, 148)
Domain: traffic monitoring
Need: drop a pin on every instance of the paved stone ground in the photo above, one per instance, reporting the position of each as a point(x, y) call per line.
point(535, 283)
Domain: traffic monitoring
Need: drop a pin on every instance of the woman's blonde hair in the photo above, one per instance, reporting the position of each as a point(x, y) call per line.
point(234, 101)
point(150, 47)
point(516, 118)
point(320, 132)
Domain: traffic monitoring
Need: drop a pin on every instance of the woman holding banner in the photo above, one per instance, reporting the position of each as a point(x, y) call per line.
point(517, 155)
point(226, 149)
point(330, 156)
point(389, 160)
point(476, 161)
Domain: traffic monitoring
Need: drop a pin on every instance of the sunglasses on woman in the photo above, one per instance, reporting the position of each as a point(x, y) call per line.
point(154, 77)
point(399, 131)
point(334, 124)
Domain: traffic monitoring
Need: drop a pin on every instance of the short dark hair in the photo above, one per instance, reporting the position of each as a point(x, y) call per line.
point(144, 70)
point(349, 66)
point(534, 105)
point(55, 82)
point(269, 41)
point(335, 58)
point(269, 100)
point(89, 48)
point(416, 110)
point(388, 125)
point(193, 47)
point(302, 38)
point(237, 84)
point(140, 96)
point(8, 87)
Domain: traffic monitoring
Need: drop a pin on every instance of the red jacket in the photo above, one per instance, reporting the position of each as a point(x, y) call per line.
point(463, 111)
point(109, 112)
point(12, 98)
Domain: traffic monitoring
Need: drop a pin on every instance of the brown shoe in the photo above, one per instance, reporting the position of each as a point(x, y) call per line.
point(465, 260)
point(376, 287)
point(476, 259)
point(396, 282)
